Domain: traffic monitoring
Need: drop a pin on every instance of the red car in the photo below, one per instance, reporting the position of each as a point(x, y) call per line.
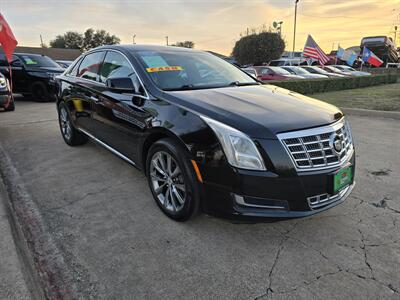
point(265, 73)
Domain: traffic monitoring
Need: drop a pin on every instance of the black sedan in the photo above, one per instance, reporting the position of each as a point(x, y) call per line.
point(207, 135)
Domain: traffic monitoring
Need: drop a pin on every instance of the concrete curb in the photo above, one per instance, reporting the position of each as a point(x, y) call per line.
point(41, 257)
point(371, 113)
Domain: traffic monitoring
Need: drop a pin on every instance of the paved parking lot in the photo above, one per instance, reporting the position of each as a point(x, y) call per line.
point(117, 244)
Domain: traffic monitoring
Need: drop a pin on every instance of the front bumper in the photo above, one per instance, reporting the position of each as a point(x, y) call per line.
point(255, 194)
point(5, 97)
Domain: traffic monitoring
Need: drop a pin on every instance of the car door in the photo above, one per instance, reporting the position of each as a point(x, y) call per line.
point(84, 91)
point(119, 117)
point(20, 80)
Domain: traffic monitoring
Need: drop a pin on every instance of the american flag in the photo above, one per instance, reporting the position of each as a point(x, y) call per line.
point(312, 50)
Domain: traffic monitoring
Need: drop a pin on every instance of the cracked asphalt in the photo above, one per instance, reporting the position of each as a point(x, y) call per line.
point(117, 244)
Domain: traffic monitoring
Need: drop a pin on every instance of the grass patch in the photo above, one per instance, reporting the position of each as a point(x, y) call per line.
point(383, 97)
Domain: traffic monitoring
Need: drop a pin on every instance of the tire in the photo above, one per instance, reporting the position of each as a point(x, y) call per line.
point(169, 191)
point(11, 106)
point(70, 134)
point(39, 92)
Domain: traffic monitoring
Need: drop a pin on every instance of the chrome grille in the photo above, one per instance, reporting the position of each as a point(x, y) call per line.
point(313, 148)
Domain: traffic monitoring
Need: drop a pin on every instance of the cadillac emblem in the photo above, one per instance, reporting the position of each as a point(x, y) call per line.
point(337, 144)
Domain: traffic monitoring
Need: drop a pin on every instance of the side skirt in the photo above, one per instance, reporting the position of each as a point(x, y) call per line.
point(109, 148)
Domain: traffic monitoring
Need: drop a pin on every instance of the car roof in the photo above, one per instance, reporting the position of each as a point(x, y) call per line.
point(30, 54)
point(138, 47)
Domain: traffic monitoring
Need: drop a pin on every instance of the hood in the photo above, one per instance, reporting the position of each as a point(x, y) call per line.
point(360, 73)
point(314, 76)
point(293, 76)
point(259, 111)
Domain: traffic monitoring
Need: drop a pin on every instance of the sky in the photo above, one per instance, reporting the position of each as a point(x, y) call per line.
point(212, 24)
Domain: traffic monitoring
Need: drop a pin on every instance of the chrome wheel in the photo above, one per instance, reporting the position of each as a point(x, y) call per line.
point(167, 181)
point(65, 123)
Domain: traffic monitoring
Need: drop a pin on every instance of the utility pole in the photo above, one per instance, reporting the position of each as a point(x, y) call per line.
point(166, 38)
point(41, 41)
point(295, 21)
point(133, 39)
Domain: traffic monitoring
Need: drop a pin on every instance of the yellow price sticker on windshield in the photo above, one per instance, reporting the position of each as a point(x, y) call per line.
point(163, 69)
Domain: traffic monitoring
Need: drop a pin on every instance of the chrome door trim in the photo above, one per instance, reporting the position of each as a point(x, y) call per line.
point(109, 148)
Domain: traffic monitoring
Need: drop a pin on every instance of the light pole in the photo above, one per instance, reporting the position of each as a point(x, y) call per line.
point(166, 38)
point(295, 21)
point(133, 39)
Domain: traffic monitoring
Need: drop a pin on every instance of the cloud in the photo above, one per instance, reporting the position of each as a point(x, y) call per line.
point(213, 25)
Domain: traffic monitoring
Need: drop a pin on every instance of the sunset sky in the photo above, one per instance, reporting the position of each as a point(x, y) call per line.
point(211, 24)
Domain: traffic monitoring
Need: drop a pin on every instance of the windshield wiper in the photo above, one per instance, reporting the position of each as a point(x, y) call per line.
point(237, 83)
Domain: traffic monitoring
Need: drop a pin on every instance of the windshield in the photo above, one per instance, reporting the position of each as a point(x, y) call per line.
point(185, 70)
point(280, 71)
point(39, 61)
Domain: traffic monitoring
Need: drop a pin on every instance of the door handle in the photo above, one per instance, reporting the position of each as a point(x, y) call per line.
point(95, 99)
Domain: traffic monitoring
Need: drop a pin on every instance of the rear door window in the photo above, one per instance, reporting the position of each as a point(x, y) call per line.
point(89, 67)
point(115, 65)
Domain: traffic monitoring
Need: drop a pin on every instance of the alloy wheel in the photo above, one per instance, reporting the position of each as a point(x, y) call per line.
point(167, 181)
point(65, 123)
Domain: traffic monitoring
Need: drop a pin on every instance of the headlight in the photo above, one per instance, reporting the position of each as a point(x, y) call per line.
point(3, 82)
point(239, 149)
point(52, 75)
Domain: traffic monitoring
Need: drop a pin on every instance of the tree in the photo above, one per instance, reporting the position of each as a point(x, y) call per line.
point(70, 39)
point(89, 39)
point(92, 39)
point(258, 48)
point(185, 44)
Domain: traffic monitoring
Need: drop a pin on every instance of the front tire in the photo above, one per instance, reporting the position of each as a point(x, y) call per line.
point(70, 134)
point(172, 180)
point(39, 92)
point(11, 106)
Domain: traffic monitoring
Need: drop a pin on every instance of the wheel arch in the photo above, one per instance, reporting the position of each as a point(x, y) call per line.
point(155, 135)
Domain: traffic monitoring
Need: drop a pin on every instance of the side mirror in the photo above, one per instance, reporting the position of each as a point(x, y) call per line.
point(121, 85)
point(16, 64)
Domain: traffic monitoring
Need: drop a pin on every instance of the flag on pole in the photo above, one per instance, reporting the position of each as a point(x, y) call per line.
point(348, 56)
point(7, 39)
point(369, 57)
point(312, 50)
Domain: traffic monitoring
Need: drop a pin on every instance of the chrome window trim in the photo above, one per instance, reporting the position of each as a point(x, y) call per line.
point(312, 132)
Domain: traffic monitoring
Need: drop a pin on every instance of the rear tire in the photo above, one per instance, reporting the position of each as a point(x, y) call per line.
point(172, 180)
point(39, 92)
point(70, 134)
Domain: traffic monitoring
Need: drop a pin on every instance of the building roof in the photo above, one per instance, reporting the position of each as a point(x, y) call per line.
point(54, 53)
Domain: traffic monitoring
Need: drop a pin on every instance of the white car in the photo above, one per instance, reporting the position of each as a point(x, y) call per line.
point(302, 72)
point(318, 70)
point(352, 71)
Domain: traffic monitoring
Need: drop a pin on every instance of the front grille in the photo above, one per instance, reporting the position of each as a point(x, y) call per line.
point(322, 200)
point(313, 148)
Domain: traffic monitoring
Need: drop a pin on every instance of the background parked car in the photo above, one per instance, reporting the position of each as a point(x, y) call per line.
point(351, 70)
point(265, 73)
point(250, 71)
point(318, 70)
point(32, 74)
point(64, 63)
point(6, 98)
point(334, 70)
point(302, 72)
